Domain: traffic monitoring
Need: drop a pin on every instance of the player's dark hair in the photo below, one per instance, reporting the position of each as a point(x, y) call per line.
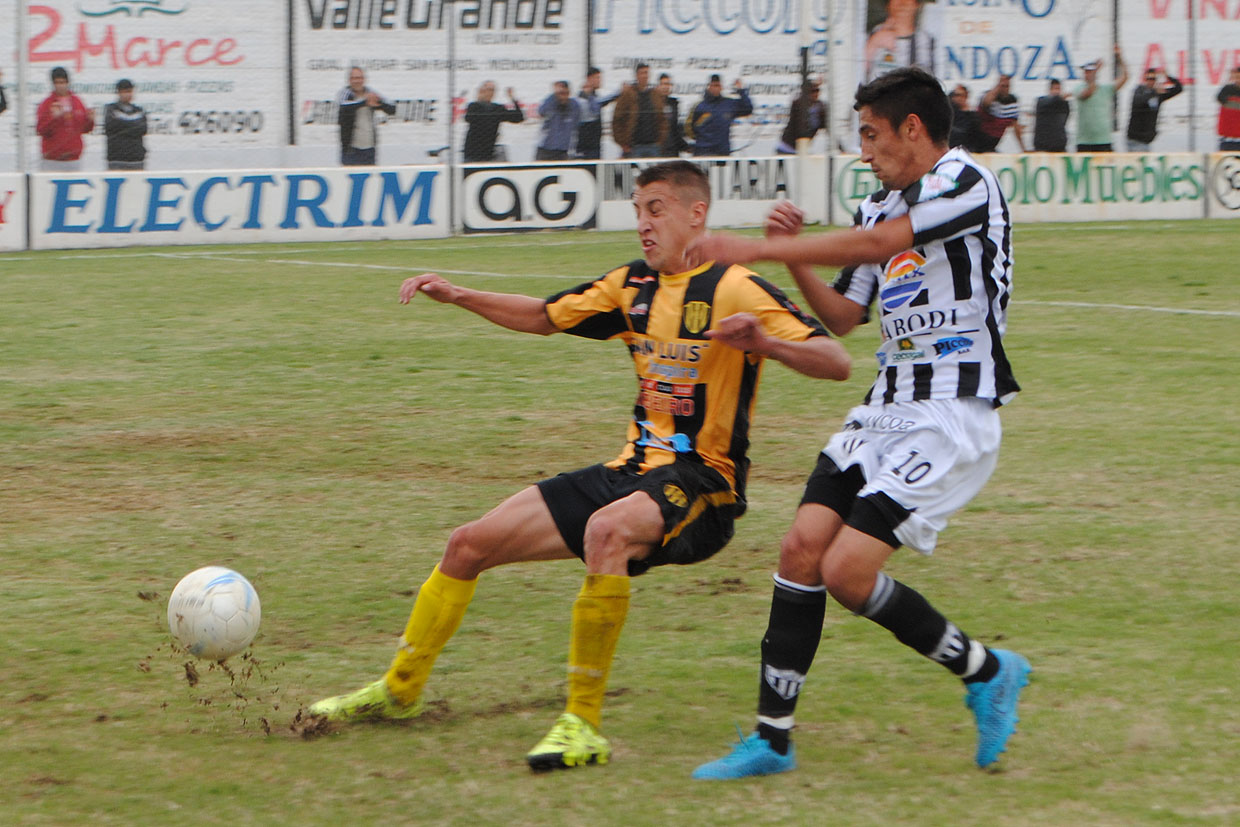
point(59, 73)
point(593, 70)
point(908, 91)
point(681, 175)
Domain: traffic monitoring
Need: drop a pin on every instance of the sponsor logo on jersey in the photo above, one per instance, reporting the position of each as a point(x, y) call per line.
point(903, 278)
point(933, 185)
point(696, 316)
point(952, 344)
point(907, 351)
point(675, 351)
point(639, 310)
point(676, 443)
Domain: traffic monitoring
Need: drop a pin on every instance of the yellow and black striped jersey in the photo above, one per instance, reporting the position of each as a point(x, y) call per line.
point(695, 397)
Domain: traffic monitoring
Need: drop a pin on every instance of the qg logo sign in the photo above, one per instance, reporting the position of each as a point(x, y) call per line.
point(502, 199)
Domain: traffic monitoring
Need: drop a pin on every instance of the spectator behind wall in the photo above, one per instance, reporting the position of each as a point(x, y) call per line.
point(1229, 113)
point(484, 117)
point(966, 124)
point(1050, 121)
point(61, 121)
point(590, 130)
point(560, 114)
point(1095, 106)
point(638, 125)
point(1147, 100)
point(675, 143)
point(998, 112)
point(124, 124)
point(709, 125)
point(806, 117)
point(356, 104)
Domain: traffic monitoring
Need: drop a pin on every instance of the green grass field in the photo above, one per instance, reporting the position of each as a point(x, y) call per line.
point(275, 410)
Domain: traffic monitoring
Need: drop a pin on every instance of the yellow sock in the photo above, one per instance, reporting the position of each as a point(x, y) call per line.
point(598, 617)
point(436, 615)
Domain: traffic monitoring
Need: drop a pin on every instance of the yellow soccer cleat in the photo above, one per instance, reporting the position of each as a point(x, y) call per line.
point(572, 742)
point(373, 702)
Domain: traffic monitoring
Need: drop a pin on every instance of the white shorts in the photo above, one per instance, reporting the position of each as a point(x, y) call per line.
point(929, 457)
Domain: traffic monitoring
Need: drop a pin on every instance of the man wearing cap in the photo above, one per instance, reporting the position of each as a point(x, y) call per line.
point(710, 122)
point(1096, 105)
point(807, 115)
point(124, 124)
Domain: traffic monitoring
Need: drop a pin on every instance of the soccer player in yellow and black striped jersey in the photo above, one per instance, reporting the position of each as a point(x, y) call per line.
point(698, 337)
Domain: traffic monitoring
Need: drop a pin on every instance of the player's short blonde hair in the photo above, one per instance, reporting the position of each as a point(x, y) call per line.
point(688, 179)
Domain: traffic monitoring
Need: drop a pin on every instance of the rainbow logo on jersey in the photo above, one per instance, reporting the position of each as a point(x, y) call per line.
point(903, 280)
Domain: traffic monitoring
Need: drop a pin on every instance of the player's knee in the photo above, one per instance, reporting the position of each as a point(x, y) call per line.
point(467, 551)
point(606, 538)
point(845, 582)
point(799, 559)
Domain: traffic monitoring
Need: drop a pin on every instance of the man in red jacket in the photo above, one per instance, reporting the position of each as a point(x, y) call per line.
point(62, 121)
point(1229, 114)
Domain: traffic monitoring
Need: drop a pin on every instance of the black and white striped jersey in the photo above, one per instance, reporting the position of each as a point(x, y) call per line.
point(943, 304)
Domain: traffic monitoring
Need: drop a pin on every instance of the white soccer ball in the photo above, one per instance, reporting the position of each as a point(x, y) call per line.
point(214, 613)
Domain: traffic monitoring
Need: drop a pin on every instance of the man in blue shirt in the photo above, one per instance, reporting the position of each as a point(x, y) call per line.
point(560, 116)
point(709, 125)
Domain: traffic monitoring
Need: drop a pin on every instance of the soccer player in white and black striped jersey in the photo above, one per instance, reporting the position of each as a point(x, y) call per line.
point(933, 250)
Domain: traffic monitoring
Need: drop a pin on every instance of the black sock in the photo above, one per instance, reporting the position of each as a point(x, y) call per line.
point(788, 649)
point(916, 624)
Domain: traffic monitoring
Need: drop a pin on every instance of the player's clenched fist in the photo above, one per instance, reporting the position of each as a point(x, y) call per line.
point(742, 331)
point(785, 218)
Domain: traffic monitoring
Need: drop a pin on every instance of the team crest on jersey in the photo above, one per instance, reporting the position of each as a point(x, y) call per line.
point(696, 316)
point(675, 496)
point(903, 278)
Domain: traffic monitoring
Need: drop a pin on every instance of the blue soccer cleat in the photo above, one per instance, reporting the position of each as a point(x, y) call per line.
point(752, 756)
point(994, 705)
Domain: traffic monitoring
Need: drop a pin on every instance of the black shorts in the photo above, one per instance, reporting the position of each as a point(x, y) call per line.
point(837, 490)
point(697, 503)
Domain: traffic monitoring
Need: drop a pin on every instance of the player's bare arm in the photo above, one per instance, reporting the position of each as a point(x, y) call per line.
point(524, 314)
point(818, 357)
point(839, 248)
point(838, 314)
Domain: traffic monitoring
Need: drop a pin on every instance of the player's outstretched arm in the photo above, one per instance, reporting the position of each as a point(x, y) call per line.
point(515, 312)
point(820, 357)
point(837, 313)
point(838, 248)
